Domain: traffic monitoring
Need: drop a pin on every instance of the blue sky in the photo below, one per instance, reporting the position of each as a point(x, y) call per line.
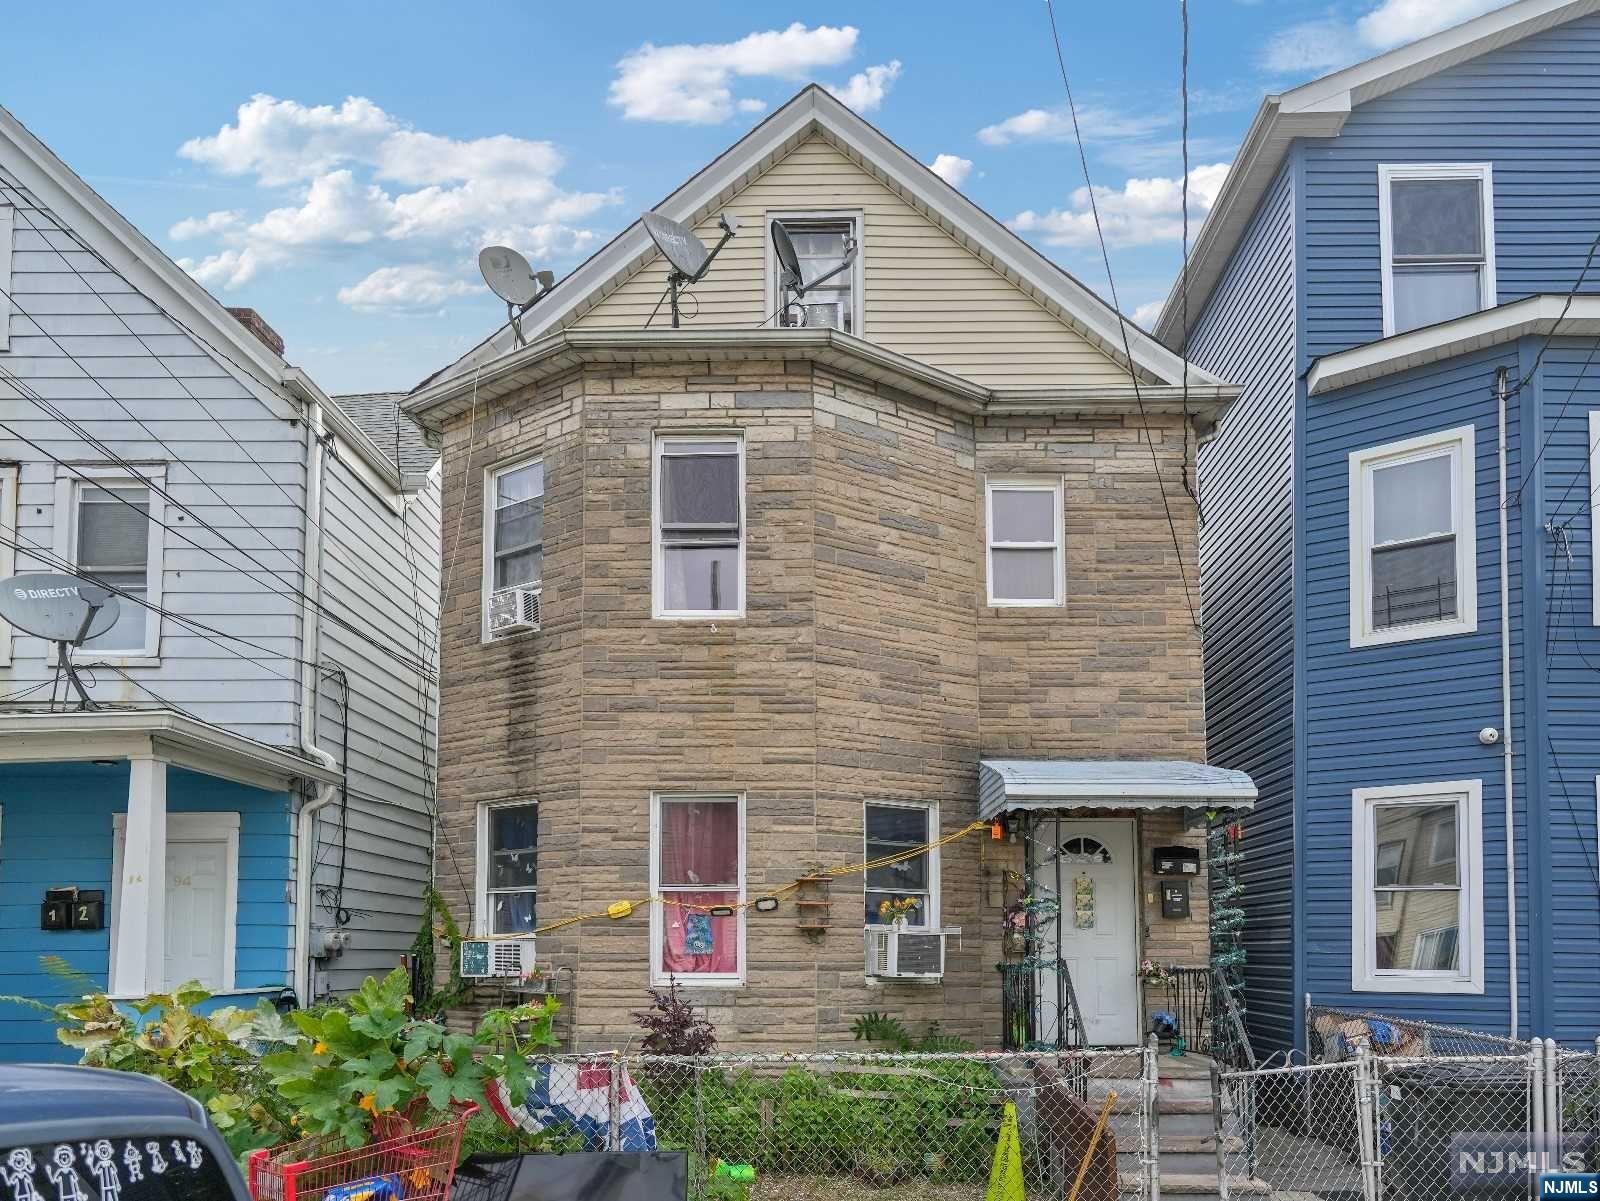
point(336, 165)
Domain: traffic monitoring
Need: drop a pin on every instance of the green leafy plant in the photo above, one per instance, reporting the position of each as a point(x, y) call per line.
point(371, 1056)
point(212, 1057)
point(881, 1028)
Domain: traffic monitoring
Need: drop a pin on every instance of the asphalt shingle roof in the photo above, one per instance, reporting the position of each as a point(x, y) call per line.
point(379, 417)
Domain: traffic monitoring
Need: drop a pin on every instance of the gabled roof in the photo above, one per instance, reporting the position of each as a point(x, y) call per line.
point(378, 416)
point(1319, 109)
point(814, 111)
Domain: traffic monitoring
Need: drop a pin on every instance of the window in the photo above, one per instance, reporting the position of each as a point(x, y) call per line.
point(1418, 888)
point(1436, 230)
point(697, 869)
point(513, 551)
point(892, 829)
point(109, 524)
point(821, 242)
point(699, 527)
point(508, 868)
point(1025, 541)
point(1413, 552)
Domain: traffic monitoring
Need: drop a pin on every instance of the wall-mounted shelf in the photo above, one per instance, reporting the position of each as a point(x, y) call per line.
point(812, 904)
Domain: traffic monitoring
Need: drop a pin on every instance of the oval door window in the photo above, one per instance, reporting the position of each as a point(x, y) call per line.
point(1084, 849)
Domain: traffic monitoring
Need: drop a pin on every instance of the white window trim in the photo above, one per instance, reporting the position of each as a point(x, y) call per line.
point(1389, 172)
point(9, 473)
point(1460, 442)
point(480, 919)
point(1020, 483)
point(186, 827)
point(658, 609)
point(858, 271)
point(1467, 795)
point(657, 917)
point(491, 476)
point(69, 480)
point(935, 880)
point(7, 228)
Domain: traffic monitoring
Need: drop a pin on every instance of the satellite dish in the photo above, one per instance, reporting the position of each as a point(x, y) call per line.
point(61, 608)
point(508, 275)
point(680, 245)
point(788, 257)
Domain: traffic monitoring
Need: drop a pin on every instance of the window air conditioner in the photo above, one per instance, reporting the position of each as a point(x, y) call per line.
point(894, 954)
point(513, 610)
point(496, 958)
point(814, 314)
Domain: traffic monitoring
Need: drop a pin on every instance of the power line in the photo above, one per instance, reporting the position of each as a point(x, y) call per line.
point(1122, 322)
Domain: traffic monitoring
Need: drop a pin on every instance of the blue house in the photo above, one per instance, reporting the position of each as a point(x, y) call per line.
point(247, 802)
point(1400, 610)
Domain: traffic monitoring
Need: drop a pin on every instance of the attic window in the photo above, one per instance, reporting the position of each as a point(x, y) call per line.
point(820, 244)
point(1436, 226)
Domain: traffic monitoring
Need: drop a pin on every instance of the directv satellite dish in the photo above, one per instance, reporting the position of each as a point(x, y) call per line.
point(683, 249)
point(63, 609)
point(511, 279)
point(791, 279)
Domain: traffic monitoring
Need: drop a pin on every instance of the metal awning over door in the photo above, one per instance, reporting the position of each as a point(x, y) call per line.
point(1012, 785)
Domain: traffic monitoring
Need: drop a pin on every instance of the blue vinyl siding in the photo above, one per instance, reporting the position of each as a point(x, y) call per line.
point(56, 829)
point(1247, 335)
point(1407, 712)
point(1531, 109)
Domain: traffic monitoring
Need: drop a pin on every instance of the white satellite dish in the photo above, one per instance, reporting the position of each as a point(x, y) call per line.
point(508, 275)
point(684, 251)
point(511, 279)
point(63, 609)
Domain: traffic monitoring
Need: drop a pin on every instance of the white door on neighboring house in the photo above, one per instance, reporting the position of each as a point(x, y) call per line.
point(201, 898)
point(1097, 929)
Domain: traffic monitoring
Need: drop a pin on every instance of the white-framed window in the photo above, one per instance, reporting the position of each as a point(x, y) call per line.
point(508, 867)
point(1436, 237)
point(892, 828)
point(513, 525)
point(1026, 540)
point(1417, 913)
point(109, 524)
point(1413, 539)
point(697, 868)
point(7, 226)
point(698, 526)
point(202, 898)
point(8, 529)
point(820, 240)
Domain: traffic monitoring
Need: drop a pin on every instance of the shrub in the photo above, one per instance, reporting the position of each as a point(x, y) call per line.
point(672, 1027)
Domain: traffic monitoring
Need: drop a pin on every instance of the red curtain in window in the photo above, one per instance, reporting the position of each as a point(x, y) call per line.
point(699, 853)
point(697, 942)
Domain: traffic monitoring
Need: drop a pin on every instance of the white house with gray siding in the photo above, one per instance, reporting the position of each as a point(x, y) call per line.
point(249, 797)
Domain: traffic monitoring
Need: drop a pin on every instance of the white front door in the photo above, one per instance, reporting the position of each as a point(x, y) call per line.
point(197, 883)
point(1096, 933)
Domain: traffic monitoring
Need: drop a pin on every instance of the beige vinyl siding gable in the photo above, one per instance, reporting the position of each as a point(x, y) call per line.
point(926, 295)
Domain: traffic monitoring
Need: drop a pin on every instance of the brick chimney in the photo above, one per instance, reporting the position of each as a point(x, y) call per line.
point(253, 322)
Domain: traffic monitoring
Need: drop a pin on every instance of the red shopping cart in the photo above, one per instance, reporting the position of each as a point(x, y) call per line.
point(402, 1163)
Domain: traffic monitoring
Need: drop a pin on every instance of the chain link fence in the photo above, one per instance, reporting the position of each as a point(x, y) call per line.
point(1332, 1033)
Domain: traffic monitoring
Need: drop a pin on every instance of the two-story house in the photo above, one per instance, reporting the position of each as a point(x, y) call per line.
point(784, 591)
point(1397, 558)
point(247, 802)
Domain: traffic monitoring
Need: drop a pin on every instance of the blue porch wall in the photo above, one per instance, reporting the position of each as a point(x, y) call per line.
point(1407, 712)
point(56, 829)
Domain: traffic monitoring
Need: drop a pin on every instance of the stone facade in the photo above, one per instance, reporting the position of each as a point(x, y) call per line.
point(866, 667)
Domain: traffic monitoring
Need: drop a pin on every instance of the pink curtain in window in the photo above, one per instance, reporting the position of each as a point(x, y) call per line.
point(700, 844)
point(698, 943)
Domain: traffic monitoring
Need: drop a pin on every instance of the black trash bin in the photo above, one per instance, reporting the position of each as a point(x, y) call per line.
point(1454, 1130)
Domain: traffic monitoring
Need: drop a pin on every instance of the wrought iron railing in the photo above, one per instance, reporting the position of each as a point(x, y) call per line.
point(1029, 990)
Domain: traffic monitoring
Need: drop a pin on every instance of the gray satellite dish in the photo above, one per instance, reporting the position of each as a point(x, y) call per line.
point(680, 244)
point(511, 279)
point(61, 608)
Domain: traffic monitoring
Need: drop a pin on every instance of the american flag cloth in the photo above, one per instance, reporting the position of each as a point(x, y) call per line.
point(574, 1099)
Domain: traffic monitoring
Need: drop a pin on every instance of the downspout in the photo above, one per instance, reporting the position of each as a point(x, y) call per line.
point(1505, 712)
point(310, 644)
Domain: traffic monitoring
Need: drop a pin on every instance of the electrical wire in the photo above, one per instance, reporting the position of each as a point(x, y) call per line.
point(1122, 322)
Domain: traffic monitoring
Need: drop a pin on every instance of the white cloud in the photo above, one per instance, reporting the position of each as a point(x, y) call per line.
point(691, 84)
point(1145, 315)
point(865, 90)
point(211, 223)
point(359, 176)
point(1330, 43)
point(951, 168)
point(1141, 212)
point(1097, 121)
point(410, 288)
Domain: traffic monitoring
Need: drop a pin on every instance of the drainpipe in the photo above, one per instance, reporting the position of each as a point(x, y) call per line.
point(1505, 712)
point(310, 643)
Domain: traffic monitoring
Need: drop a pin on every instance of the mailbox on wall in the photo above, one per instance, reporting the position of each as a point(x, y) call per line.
point(1176, 861)
point(1174, 898)
point(73, 908)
